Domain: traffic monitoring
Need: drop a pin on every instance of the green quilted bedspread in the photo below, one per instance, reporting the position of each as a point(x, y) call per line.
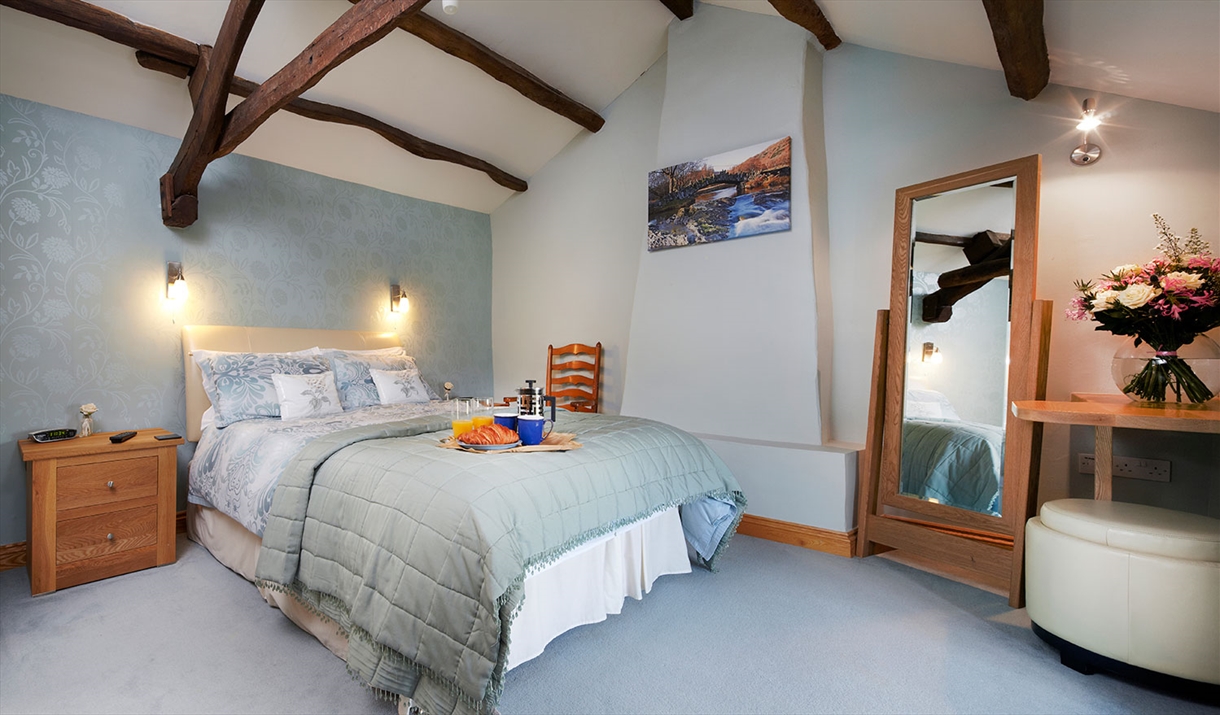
point(420, 553)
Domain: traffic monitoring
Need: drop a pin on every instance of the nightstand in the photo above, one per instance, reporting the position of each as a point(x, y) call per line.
point(99, 509)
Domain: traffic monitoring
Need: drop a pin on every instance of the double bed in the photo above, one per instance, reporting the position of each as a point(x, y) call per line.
point(432, 572)
point(950, 460)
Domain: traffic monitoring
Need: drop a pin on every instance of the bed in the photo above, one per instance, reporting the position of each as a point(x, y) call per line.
point(432, 572)
point(950, 460)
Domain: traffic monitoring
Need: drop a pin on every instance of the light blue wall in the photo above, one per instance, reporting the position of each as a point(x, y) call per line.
point(82, 275)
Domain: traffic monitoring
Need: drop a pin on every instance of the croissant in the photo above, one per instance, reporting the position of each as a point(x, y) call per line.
point(489, 434)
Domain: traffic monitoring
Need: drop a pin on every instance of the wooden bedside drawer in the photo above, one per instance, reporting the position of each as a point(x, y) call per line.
point(98, 508)
point(88, 537)
point(97, 482)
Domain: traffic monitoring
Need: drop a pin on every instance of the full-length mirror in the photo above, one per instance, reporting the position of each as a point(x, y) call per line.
point(946, 472)
point(957, 347)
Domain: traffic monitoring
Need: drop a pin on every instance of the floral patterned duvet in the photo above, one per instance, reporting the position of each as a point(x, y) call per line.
point(236, 469)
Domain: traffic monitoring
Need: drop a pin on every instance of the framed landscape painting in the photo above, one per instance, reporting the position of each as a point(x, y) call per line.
point(731, 195)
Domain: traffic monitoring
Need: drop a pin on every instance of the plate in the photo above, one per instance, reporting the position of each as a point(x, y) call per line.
point(490, 447)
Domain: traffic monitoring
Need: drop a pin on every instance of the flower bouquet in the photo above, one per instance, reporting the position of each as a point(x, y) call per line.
point(1166, 303)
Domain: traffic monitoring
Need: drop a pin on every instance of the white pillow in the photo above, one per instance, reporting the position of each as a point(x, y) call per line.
point(929, 405)
point(306, 395)
point(398, 386)
point(208, 419)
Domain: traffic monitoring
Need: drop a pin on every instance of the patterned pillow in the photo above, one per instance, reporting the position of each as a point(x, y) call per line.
point(356, 388)
point(306, 395)
point(395, 387)
point(240, 385)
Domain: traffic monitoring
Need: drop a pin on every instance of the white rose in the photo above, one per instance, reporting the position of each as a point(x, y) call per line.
point(1137, 294)
point(1182, 279)
point(1127, 269)
point(1104, 300)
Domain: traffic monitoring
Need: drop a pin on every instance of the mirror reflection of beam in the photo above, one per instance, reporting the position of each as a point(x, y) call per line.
point(990, 256)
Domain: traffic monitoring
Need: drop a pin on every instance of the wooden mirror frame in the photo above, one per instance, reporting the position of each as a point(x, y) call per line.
point(986, 545)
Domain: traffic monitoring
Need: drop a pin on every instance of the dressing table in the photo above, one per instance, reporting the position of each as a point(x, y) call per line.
point(1105, 412)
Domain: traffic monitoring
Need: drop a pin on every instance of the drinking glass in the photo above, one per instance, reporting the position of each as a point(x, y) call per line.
point(462, 412)
point(482, 411)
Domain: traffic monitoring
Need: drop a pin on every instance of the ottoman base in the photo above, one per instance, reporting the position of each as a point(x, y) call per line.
point(1087, 662)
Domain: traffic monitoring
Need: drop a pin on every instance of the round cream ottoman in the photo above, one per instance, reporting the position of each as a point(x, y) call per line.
point(1134, 584)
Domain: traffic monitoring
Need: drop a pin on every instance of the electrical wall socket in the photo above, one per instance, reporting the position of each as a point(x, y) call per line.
point(1156, 470)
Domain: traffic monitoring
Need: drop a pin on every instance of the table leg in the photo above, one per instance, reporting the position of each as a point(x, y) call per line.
point(1103, 464)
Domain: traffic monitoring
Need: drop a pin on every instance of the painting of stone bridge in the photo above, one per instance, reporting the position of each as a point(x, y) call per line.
point(731, 195)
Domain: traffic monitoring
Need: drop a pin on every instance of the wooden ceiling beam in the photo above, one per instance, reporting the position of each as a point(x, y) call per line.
point(1020, 41)
point(682, 9)
point(180, 185)
point(359, 27)
point(112, 26)
point(341, 115)
point(808, 15)
point(500, 68)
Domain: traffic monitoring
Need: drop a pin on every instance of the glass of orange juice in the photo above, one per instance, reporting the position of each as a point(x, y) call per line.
point(481, 413)
point(462, 416)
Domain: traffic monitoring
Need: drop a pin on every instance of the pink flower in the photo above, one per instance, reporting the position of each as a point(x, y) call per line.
point(1078, 309)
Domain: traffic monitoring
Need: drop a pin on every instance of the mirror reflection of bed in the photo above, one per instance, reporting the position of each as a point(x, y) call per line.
point(957, 356)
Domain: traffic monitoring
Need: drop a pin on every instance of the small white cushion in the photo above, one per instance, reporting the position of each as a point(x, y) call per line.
point(306, 395)
point(1136, 527)
point(398, 386)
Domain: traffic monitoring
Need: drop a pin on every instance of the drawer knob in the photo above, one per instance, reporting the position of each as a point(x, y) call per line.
point(110, 485)
point(110, 537)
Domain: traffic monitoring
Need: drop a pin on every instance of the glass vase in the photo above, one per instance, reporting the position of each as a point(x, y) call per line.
point(1187, 376)
point(86, 426)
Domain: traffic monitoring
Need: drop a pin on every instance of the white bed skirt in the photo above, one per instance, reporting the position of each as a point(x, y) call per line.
point(583, 587)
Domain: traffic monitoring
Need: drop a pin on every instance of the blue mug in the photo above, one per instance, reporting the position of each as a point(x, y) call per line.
point(529, 427)
point(507, 419)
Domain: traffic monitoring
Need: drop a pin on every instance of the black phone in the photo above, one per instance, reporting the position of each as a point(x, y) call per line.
point(168, 436)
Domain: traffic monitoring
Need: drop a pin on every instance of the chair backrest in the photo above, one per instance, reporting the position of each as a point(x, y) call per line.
point(574, 375)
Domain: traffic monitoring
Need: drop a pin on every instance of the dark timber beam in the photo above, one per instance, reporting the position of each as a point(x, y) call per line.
point(180, 185)
point(808, 15)
point(978, 273)
point(941, 239)
point(500, 68)
point(359, 27)
point(341, 115)
point(112, 26)
point(1021, 43)
point(682, 9)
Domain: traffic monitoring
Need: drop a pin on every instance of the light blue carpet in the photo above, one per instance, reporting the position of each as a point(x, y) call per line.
point(779, 630)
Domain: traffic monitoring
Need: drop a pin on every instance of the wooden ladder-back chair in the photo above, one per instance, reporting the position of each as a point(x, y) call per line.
point(573, 376)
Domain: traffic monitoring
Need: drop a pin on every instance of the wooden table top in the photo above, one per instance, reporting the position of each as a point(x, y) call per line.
point(1118, 411)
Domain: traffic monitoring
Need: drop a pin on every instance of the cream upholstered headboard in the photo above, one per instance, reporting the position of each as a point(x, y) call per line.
point(232, 338)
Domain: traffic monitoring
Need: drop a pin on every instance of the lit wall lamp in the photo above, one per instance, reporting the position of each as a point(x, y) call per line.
point(1087, 153)
point(398, 301)
point(449, 6)
point(175, 282)
point(931, 354)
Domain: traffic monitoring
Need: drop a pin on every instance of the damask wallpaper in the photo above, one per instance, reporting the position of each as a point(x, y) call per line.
point(83, 316)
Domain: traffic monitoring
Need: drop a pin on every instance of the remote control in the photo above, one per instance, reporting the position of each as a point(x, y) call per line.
point(121, 437)
point(171, 435)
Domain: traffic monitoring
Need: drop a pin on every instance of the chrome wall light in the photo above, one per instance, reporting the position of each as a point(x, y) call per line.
point(175, 282)
point(1087, 153)
point(398, 301)
point(931, 354)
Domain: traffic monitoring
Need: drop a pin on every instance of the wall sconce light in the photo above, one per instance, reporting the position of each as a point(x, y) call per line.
point(449, 6)
point(931, 354)
point(175, 282)
point(398, 301)
point(1087, 153)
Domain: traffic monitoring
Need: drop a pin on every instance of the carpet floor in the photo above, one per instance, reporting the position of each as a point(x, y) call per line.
point(779, 630)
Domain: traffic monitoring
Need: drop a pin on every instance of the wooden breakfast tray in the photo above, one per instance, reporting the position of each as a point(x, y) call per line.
point(555, 442)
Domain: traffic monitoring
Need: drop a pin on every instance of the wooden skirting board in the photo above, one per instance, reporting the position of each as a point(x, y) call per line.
point(16, 555)
point(838, 543)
